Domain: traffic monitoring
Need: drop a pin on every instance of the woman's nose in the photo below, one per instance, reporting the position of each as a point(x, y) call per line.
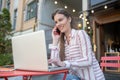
point(57, 24)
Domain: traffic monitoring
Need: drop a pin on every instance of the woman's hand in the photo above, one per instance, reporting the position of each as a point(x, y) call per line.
point(56, 62)
point(55, 36)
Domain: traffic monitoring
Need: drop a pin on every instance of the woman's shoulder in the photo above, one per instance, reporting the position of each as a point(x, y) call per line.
point(76, 32)
point(79, 31)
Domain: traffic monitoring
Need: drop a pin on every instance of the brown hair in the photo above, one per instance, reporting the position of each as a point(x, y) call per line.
point(66, 14)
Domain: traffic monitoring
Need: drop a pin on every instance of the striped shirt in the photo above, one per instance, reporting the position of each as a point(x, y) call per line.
point(79, 56)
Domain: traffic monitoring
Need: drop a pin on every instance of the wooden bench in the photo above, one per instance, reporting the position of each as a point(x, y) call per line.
point(112, 62)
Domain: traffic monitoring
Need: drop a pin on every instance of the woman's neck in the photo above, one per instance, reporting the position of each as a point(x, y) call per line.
point(68, 33)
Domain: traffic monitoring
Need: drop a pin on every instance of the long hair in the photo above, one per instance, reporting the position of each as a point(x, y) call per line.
point(72, 24)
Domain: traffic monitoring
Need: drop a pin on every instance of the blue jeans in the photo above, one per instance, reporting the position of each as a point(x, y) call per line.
point(60, 77)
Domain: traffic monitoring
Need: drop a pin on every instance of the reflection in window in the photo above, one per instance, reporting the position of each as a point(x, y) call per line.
point(31, 10)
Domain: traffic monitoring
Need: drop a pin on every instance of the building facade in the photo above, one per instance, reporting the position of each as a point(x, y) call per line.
point(33, 15)
point(4, 4)
point(105, 19)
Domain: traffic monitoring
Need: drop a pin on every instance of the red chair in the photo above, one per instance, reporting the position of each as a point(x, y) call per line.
point(109, 62)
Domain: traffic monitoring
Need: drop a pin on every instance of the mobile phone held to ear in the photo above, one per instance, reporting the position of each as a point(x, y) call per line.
point(58, 31)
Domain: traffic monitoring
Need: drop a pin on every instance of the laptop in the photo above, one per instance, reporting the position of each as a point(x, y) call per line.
point(30, 52)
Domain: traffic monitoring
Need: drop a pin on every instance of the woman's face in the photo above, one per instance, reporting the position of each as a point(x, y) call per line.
point(62, 22)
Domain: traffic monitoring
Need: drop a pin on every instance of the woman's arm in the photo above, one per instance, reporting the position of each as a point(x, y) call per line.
point(55, 59)
point(55, 45)
point(54, 51)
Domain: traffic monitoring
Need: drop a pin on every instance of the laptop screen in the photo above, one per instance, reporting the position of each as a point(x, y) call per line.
point(30, 52)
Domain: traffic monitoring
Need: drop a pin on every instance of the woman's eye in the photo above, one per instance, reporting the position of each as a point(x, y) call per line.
point(55, 22)
point(60, 19)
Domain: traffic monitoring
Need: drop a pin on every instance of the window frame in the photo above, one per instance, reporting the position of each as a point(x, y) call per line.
point(31, 10)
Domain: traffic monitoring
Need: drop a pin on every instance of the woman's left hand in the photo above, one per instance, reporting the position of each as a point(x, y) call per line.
point(57, 62)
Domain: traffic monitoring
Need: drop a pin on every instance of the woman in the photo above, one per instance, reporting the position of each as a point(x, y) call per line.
point(72, 48)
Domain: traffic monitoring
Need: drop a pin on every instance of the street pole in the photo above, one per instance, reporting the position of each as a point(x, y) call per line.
point(84, 9)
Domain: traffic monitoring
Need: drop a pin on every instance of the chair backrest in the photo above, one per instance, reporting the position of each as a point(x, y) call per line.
point(110, 58)
point(109, 62)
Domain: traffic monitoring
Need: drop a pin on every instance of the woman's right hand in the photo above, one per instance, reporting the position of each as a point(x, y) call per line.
point(55, 36)
point(56, 62)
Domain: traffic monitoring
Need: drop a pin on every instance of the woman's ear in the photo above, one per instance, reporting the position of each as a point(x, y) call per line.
point(69, 19)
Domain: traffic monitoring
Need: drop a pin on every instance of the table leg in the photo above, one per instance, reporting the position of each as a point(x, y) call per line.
point(27, 77)
point(65, 75)
point(5, 78)
point(30, 78)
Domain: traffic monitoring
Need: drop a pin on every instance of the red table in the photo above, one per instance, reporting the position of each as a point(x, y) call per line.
point(28, 74)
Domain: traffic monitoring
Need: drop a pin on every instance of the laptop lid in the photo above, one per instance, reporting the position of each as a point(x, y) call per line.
point(29, 51)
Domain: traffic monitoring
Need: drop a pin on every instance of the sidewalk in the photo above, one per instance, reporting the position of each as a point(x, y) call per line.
point(112, 76)
point(13, 78)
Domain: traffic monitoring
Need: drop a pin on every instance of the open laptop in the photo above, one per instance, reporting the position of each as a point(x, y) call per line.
point(30, 52)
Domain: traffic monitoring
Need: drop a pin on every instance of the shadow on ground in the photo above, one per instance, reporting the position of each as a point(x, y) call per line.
point(112, 76)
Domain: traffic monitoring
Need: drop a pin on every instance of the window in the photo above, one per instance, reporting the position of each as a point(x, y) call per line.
point(14, 19)
point(94, 2)
point(31, 10)
point(8, 4)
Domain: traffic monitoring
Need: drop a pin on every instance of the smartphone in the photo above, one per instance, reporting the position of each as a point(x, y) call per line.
point(58, 31)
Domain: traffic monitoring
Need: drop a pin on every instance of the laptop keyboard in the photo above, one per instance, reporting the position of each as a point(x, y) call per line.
point(51, 67)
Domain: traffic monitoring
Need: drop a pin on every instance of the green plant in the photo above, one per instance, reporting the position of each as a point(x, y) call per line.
point(5, 38)
point(6, 59)
point(5, 32)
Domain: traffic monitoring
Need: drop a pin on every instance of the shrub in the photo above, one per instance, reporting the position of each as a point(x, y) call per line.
point(6, 59)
